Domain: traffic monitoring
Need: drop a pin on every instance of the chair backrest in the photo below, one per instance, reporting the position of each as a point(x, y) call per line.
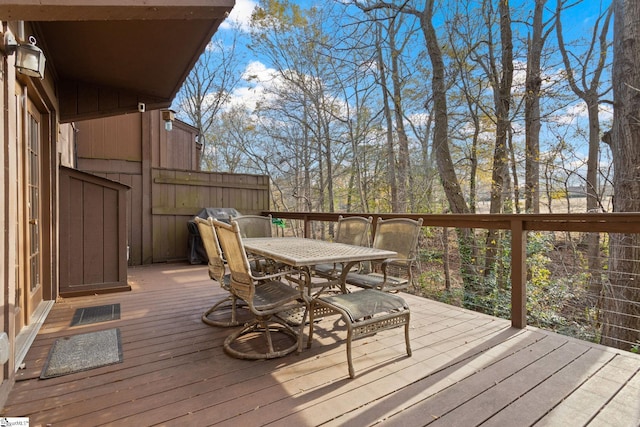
point(399, 235)
point(353, 230)
point(254, 226)
point(242, 284)
point(212, 247)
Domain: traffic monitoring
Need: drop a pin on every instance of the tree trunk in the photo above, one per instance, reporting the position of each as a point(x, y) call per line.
point(593, 201)
point(403, 140)
point(515, 182)
point(357, 171)
point(391, 161)
point(502, 87)
point(621, 314)
point(473, 161)
point(532, 114)
point(448, 176)
point(589, 94)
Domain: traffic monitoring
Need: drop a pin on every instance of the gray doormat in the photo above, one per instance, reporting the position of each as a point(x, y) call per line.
point(83, 352)
point(99, 313)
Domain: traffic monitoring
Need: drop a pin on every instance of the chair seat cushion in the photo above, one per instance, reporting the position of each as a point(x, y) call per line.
point(226, 281)
point(366, 303)
point(372, 280)
point(328, 268)
point(329, 271)
point(273, 293)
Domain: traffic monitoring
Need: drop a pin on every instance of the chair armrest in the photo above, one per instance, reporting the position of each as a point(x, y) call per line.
point(403, 260)
point(272, 276)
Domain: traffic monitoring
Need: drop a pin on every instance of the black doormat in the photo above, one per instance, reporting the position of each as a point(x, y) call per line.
point(99, 313)
point(82, 352)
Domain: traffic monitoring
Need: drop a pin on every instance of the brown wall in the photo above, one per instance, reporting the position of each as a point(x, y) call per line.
point(176, 149)
point(166, 187)
point(93, 240)
point(114, 138)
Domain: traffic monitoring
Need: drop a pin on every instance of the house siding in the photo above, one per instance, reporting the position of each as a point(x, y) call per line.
point(19, 96)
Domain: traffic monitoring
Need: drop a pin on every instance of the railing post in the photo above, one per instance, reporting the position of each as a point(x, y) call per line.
point(518, 274)
point(307, 227)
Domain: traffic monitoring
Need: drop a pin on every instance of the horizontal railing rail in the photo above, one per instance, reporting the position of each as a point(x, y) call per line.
point(517, 224)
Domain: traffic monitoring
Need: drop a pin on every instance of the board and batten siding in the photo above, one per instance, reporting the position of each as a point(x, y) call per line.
point(93, 243)
point(166, 186)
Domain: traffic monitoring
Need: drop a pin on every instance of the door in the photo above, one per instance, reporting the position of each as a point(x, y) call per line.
point(29, 243)
point(33, 210)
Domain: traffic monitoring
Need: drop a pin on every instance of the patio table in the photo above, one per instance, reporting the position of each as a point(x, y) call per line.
point(305, 253)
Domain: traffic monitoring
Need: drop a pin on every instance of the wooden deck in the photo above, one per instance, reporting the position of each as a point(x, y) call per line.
point(467, 369)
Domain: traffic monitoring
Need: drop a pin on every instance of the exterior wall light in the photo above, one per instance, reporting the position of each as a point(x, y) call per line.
point(30, 59)
point(168, 116)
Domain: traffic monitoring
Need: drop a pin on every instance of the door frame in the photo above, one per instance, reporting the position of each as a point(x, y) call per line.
point(33, 225)
point(31, 104)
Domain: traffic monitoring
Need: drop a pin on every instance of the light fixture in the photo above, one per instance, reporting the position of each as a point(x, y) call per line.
point(168, 116)
point(30, 59)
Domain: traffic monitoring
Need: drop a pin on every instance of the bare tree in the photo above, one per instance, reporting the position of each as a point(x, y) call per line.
point(207, 89)
point(621, 311)
point(398, 108)
point(464, 33)
point(500, 76)
point(291, 38)
point(351, 60)
point(532, 122)
point(449, 179)
point(450, 182)
point(593, 64)
point(392, 177)
point(501, 79)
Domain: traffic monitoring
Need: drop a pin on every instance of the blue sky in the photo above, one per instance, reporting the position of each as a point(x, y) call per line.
point(577, 22)
point(579, 19)
point(567, 122)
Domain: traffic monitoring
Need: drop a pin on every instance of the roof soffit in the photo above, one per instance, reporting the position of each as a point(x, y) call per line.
point(134, 50)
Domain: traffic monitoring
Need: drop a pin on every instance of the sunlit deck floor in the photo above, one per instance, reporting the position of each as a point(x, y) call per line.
point(467, 369)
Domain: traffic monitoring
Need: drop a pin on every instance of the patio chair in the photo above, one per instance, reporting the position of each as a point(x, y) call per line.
point(352, 230)
point(217, 272)
point(365, 313)
point(399, 235)
point(266, 300)
point(257, 226)
point(254, 226)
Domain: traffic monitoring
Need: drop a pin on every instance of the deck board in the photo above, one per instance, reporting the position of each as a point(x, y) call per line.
point(467, 368)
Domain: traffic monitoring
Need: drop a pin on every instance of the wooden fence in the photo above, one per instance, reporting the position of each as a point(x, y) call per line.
point(179, 195)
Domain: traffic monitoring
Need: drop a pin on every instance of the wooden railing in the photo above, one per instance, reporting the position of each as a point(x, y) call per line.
point(517, 224)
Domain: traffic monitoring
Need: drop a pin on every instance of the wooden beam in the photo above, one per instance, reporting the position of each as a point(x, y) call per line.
point(114, 10)
point(201, 183)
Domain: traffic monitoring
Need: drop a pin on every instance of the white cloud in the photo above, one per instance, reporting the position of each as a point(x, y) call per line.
point(579, 111)
point(519, 76)
point(570, 114)
point(240, 15)
point(258, 78)
point(257, 72)
point(261, 84)
point(419, 119)
point(605, 113)
point(246, 96)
